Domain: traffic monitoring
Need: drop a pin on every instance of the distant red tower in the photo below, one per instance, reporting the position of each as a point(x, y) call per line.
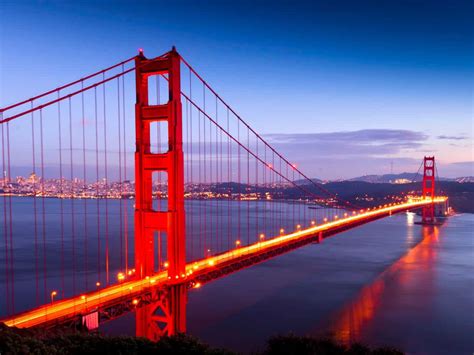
point(428, 216)
point(147, 220)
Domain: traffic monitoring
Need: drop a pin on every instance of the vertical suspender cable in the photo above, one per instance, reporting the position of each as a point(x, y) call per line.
point(5, 228)
point(61, 199)
point(43, 231)
point(125, 171)
point(12, 275)
point(35, 207)
point(99, 268)
point(72, 188)
point(106, 187)
point(119, 122)
point(84, 173)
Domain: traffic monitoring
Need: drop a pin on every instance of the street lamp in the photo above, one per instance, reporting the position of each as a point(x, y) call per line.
point(53, 293)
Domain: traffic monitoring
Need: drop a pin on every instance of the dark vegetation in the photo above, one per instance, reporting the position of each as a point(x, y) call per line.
point(20, 341)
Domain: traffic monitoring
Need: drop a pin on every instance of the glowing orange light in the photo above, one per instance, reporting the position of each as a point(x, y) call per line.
point(197, 285)
point(135, 301)
point(53, 293)
point(211, 262)
point(237, 242)
point(313, 223)
point(345, 214)
point(83, 297)
point(97, 283)
point(298, 226)
point(166, 264)
point(336, 217)
point(262, 236)
point(282, 231)
point(325, 219)
point(120, 276)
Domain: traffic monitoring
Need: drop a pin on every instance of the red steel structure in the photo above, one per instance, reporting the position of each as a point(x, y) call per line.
point(232, 200)
point(428, 212)
point(147, 220)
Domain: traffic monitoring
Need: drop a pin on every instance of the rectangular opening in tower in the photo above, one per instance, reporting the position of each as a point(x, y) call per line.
point(159, 143)
point(158, 89)
point(160, 191)
point(160, 251)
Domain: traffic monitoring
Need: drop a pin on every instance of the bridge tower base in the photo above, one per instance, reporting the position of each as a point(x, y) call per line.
point(165, 315)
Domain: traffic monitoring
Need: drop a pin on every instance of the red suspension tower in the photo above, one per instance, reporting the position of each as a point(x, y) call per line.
point(169, 310)
point(429, 189)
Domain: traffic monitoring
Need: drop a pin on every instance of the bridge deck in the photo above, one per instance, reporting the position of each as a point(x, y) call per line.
point(202, 270)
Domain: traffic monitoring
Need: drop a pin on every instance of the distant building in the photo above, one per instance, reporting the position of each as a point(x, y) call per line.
point(401, 181)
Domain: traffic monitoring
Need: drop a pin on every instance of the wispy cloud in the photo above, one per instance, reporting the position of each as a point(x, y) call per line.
point(349, 153)
point(368, 142)
point(454, 138)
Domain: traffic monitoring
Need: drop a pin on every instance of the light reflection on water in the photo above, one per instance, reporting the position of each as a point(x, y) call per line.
point(354, 320)
point(391, 283)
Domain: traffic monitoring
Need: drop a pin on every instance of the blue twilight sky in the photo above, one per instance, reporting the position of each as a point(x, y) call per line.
point(343, 88)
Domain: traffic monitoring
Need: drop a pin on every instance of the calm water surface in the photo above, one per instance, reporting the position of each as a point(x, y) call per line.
point(390, 282)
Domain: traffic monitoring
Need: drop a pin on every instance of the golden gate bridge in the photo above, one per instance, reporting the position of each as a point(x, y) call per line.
point(143, 213)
